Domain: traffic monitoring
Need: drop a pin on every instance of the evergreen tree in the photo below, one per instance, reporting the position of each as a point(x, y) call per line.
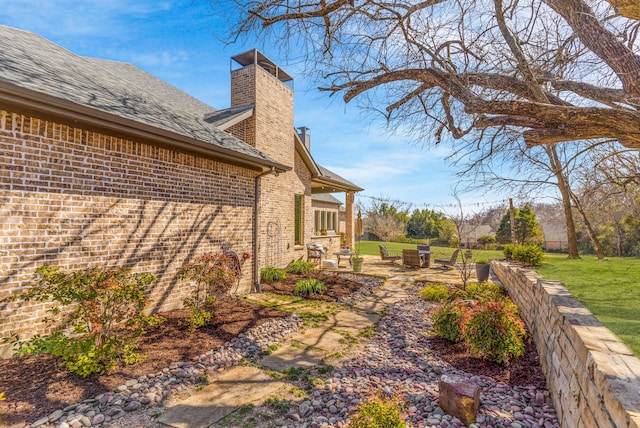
point(527, 227)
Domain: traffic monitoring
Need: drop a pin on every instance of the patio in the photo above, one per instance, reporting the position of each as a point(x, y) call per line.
point(373, 265)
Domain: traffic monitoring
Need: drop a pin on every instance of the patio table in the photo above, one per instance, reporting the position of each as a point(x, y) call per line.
point(349, 254)
point(425, 256)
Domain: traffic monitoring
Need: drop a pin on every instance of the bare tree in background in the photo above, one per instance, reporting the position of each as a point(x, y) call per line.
point(385, 218)
point(552, 70)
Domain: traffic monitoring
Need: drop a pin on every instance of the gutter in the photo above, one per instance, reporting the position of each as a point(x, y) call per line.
point(256, 228)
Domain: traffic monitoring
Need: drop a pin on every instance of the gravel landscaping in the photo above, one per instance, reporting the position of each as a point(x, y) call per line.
point(398, 359)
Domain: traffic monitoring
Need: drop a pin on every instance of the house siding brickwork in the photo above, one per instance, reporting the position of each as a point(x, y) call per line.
point(77, 198)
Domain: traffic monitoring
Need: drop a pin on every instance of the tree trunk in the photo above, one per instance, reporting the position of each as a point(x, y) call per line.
point(563, 186)
point(592, 235)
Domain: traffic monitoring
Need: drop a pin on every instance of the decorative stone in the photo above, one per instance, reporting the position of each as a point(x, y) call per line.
point(133, 405)
point(98, 419)
point(40, 421)
point(459, 398)
point(55, 415)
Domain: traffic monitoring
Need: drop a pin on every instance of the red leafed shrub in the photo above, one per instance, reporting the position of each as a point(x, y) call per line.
point(213, 274)
point(102, 309)
point(494, 330)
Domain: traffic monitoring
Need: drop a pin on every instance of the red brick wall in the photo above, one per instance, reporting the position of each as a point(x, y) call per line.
point(77, 198)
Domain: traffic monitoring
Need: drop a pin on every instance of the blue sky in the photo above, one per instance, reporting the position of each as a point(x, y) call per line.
point(176, 41)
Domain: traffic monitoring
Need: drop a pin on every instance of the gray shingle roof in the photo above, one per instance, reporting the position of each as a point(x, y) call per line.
point(222, 118)
point(335, 177)
point(35, 63)
point(325, 197)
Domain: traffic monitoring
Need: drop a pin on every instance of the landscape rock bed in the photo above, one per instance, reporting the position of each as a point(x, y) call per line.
point(156, 387)
point(398, 359)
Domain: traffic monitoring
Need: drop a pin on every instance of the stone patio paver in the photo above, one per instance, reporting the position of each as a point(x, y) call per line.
point(292, 357)
point(238, 386)
point(351, 322)
point(320, 338)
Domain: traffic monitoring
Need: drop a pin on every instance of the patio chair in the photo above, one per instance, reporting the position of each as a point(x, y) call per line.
point(449, 263)
point(315, 253)
point(384, 254)
point(411, 258)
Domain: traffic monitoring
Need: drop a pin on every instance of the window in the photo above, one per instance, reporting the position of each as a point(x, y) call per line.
point(325, 220)
point(299, 223)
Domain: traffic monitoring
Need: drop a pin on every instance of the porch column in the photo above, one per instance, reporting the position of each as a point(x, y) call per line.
point(349, 216)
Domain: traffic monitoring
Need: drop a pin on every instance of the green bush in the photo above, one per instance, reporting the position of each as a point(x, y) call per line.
point(301, 267)
point(271, 274)
point(447, 321)
point(530, 254)
point(484, 291)
point(102, 308)
point(306, 287)
point(435, 293)
point(494, 331)
point(379, 412)
point(487, 240)
point(508, 251)
point(214, 275)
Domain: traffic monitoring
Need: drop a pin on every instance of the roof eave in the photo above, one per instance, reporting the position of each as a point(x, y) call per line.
point(28, 100)
point(337, 186)
point(306, 156)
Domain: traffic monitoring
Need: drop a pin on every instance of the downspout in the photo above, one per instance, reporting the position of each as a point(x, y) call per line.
point(256, 228)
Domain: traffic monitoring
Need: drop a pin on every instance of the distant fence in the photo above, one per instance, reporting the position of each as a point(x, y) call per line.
point(594, 379)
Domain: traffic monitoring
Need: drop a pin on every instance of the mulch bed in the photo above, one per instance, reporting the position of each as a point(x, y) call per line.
point(36, 386)
point(523, 371)
point(336, 286)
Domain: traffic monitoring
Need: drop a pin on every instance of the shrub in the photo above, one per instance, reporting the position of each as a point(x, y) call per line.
point(435, 293)
point(301, 267)
point(531, 254)
point(213, 274)
point(508, 251)
point(271, 274)
point(379, 412)
point(487, 240)
point(447, 321)
point(484, 291)
point(103, 310)
point(494, 331)
point(306, 287)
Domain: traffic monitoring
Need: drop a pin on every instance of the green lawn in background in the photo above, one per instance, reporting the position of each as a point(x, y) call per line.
point(610, 289)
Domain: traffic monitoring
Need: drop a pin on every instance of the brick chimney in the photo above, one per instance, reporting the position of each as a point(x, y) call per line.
point(261, 83)
point(303, 132)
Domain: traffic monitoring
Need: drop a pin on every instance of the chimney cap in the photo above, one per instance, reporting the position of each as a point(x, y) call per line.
point(256, 57)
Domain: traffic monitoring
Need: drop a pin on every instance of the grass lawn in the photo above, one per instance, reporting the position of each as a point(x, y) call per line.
point(609, 288)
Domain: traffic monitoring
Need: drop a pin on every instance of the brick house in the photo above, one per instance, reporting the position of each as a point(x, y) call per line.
point(105, 165)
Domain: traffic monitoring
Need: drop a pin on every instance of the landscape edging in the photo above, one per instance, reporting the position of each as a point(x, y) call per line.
point(594, 379)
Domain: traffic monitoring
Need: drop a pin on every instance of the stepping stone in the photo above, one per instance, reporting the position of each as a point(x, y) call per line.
point(320, 338)
point(288, 357)
point(369, 305)
point(238, 386)
point(352, 322)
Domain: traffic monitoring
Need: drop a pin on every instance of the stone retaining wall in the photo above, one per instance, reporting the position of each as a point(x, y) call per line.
point(594, 379)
